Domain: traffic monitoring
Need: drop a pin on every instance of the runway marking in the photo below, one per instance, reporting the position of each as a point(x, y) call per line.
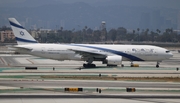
point(2, 60)
point(30, 61)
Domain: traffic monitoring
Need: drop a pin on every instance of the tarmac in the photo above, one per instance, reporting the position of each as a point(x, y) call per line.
point(26, 86)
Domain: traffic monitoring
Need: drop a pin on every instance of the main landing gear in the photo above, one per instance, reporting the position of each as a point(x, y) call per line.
point(110, 65)
point(157, 65)
point(131, 64)
point(89, 65)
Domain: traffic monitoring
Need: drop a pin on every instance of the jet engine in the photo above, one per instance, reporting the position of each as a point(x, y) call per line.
point(113, 60)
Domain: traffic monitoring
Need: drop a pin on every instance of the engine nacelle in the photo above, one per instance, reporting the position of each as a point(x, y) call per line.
point(114, 60)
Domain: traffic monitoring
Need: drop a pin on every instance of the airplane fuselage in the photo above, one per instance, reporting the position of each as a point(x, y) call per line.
point(128, 52)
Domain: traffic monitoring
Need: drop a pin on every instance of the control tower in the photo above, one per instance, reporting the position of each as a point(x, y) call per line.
point(103, 25)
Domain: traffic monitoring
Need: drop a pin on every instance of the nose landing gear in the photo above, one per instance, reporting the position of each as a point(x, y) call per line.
point(157, 65)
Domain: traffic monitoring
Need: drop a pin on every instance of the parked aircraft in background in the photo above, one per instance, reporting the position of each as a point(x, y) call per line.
point(112, 55)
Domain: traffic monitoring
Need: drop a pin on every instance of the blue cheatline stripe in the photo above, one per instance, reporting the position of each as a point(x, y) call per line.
point(24, 40)
point(131, 57)
point(16, 25)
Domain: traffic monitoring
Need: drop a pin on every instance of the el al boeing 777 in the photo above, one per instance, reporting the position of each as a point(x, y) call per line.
point(112, 55)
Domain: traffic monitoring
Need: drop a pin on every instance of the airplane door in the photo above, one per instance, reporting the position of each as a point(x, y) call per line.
point(156, 54)
point(43, 50)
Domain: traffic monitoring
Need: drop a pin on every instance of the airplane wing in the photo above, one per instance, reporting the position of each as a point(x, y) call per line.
point(89, 53)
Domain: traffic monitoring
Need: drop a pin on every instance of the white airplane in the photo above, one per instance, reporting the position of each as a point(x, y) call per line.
point(112, 55)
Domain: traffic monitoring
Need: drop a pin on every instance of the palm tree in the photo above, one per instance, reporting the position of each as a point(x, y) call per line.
point(134, 31)
point(147, 30)
point(138, 33)
point(85, 27)
point(61, 28)
point(138, 29)
point(85, 32)
point(158, 31)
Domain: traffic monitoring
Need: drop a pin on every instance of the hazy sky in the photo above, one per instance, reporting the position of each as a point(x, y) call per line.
point(147, 3)
point(70, 14)
point(88, 1)
point(66, 1)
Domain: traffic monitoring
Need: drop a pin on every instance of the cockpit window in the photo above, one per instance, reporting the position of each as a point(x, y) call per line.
point(167, 51)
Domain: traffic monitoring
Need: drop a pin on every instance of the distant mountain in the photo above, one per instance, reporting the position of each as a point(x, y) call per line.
point(145, 3)
point(27, 3)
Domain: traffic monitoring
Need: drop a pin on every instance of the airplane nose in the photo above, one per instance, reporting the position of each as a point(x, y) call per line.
point(170, 55)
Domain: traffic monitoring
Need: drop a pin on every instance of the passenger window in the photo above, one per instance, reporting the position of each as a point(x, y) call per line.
point(133, 49)
point(142, 50)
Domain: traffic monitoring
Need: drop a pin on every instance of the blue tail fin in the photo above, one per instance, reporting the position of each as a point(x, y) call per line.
point(21, 34)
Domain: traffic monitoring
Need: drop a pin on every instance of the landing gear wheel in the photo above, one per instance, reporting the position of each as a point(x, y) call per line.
point(89, 65)
point(122, 65)
point(110, 65)
point(85, 65)
point(157, 66)
point(131, 65)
